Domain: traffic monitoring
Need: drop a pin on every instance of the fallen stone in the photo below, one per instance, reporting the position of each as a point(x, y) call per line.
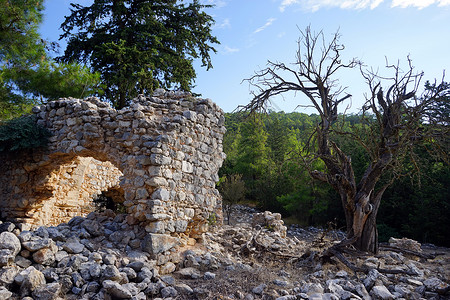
point(49, 291)
point(10, 245)
point(157, 243)
point(183, 289)
point(434, 284)
point(4, 293)
point(44, 256)
point(111, 273)
point(381, 292)
point(259, 289)
point(116, 290)
point(37, 243)
point(73, 246)
point(169, 292)
point(189, 273)
point(30, 280)
point(209, 276)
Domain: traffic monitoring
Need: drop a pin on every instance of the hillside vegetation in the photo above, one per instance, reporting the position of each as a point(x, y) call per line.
point(266, 150)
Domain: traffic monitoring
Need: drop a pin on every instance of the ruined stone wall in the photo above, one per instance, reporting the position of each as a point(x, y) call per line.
point(162, 153)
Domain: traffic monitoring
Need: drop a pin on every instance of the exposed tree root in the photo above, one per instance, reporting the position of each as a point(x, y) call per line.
point(338, 253)
point(253, 246)
point(409, 252)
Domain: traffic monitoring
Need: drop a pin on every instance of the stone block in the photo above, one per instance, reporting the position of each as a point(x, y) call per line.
point(158, 243)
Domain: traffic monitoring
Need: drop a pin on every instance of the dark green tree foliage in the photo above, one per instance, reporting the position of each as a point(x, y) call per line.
point(20, 46)
point(264, 149)
point(22, 133)
point(27, 73)
point(19, 22)
point(139, 45)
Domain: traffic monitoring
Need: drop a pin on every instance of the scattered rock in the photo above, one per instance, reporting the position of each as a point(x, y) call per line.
point(381, 292)
point(226, 265)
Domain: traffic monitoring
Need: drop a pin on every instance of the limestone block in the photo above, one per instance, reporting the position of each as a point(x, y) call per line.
point(156, 181)
point(158, 243)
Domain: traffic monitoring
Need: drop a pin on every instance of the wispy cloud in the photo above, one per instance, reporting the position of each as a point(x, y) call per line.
point(314, 5)
point(268, 23)
point(229, 50)
point(419, 3)
point(225, 24)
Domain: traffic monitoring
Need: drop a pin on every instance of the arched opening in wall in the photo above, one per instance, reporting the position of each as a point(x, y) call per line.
point(111, 199)
point(75, 186)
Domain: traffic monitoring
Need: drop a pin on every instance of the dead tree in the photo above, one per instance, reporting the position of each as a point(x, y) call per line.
point(396, 120)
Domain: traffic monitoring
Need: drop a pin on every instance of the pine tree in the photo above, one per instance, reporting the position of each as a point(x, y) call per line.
point(139, 45)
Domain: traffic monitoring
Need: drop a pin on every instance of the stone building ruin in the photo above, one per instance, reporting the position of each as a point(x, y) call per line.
point(159, 157)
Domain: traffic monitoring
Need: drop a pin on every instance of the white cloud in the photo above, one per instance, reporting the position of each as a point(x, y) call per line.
point(418, 3)
point(225, 24)
point(314, 5)
point(268, 23)
point(229, 50)
point(287, 3)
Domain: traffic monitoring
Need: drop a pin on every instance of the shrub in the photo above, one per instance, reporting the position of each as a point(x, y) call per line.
point(22, 133)
point(232, 189)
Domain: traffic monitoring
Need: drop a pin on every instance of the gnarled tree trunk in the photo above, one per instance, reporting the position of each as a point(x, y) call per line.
point(394, 122)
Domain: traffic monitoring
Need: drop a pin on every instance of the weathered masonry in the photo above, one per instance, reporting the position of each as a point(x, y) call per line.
point(160, 157)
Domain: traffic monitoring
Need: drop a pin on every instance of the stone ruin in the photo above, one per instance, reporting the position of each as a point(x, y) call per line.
point(159, 157)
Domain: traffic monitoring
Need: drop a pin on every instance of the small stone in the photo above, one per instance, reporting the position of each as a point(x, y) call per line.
point(281, 283)
point(183, 289)
point(7, 227)
point(145, 273)
point(370, 279)
point(73, 246)
point(167, 268)
point(109, 259)
point(31, 279)
point(381, 292)
point(209, 276)
point(136, 265)
point(7, 275)
point(9, 241)
point(259, 289)
point(189, 273)
point(4, 293)
point(37, 243)
point(434, 284)
point(341, 274)
point(116, 290)
point(44, 256)
point(169, 292)
point(111, 273)
point(92, 287)
point(168, 279)
point(49, 291)
point(131, 274)
point(312, 288)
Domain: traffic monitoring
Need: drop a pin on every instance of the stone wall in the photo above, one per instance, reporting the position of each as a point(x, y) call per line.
point(161, 155)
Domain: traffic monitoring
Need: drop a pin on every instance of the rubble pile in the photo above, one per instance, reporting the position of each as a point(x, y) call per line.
point(103, 257)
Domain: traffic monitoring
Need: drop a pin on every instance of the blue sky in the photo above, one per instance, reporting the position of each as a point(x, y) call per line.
point(254, 31)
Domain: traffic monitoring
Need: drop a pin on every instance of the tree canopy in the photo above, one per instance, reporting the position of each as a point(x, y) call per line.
point(139, 45)
point(28, 74)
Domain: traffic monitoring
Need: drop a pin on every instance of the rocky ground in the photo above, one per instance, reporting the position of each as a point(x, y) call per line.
point(101, 257)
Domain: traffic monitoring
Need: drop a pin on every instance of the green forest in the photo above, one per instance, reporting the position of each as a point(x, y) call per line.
point(266, 150)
